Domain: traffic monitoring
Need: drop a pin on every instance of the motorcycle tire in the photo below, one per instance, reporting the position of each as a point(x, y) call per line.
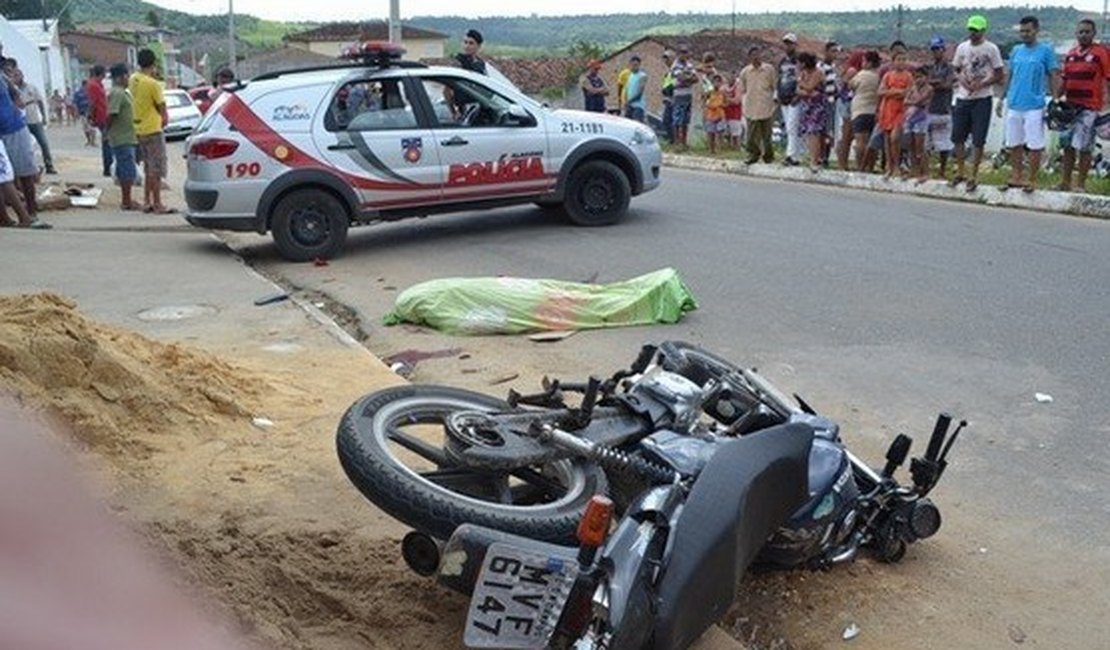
point(369, 462)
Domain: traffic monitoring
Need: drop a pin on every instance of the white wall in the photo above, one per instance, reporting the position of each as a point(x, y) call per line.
point(39, 53)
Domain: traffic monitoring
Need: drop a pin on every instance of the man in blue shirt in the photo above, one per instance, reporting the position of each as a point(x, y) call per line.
point(1031, 65)
point(634, 90)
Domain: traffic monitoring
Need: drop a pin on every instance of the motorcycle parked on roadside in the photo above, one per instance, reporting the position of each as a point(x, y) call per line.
point(627, 519)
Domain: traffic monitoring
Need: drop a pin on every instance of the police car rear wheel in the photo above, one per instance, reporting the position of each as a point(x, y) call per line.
point(309, 224)
point(598, 194)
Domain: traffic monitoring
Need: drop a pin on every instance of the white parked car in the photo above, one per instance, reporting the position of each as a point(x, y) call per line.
point(305, 154)
point(184, 115)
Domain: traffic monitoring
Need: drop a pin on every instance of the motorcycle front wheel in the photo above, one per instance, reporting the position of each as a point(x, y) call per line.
point(393, 445)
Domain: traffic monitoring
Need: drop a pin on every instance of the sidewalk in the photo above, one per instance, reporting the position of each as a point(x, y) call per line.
point(1086, 205)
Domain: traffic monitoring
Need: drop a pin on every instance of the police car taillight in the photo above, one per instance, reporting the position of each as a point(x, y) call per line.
point(380, 53)
point(214, 148)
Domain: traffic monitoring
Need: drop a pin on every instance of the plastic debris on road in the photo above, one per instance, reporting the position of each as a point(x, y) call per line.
point(262, 423)
point(476, 306)
point(1043, 398)
point(851, 632)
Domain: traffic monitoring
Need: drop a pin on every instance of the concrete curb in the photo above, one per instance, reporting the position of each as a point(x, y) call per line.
point(1085, 205)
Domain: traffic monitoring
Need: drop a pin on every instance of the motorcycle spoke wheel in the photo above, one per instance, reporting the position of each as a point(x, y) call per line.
point(396, 447)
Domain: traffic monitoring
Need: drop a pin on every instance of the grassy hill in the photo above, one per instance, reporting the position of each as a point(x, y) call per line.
point(554, 35)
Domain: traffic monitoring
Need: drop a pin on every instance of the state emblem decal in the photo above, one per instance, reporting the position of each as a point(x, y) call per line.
point(413, 148)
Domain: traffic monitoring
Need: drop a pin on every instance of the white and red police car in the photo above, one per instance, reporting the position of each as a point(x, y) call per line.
point(306, 154)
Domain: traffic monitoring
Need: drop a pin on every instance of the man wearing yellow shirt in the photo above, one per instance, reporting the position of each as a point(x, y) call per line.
point(149, 107)
point(622, 87)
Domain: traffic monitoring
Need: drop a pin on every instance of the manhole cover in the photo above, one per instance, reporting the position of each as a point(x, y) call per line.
point(175, 312)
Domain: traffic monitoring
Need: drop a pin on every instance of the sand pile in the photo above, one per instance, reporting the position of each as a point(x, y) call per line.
point(259, 518)
point(118, 390)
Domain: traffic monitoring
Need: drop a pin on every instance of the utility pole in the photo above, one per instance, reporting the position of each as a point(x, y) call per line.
point(898, 30)
point(734, 18)
point(1104, 17)
point(395, 21)
point(231, 37)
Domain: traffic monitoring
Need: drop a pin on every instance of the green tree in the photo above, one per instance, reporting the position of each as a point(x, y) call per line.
point(153, 18)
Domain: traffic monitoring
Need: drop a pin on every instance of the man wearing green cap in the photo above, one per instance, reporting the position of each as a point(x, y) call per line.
point(978, 66)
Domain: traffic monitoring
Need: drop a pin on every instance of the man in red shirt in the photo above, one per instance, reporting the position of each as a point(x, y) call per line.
point(1086, 70)
point(98, 113)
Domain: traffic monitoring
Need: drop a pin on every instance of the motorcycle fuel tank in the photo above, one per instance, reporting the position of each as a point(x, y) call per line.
point(833, 495)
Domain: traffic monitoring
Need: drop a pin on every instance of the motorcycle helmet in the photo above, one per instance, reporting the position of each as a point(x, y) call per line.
point(1059, 115)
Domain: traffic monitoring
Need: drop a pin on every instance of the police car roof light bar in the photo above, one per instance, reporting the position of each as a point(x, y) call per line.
point(379, 54)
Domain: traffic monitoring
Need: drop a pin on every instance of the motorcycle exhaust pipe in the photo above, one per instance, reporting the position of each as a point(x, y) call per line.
point(421, 553)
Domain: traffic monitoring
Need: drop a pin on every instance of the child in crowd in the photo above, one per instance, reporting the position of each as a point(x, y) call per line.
point(715, 123)
point(892, 109)
point(734, 112)
point(916, 123)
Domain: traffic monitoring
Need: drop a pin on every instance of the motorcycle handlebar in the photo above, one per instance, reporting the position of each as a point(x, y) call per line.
point(940, 432)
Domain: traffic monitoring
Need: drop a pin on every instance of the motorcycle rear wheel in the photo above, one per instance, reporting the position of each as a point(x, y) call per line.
point(391, 444)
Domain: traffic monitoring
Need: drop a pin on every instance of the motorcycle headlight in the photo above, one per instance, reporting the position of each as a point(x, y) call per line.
point(924, 519)
point(643, 136)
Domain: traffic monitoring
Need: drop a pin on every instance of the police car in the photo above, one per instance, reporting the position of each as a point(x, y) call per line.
point(306, 154)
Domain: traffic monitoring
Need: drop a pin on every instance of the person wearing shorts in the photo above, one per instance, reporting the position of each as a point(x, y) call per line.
point(1031, 65)
point(149, 107)
point(685, 78)
point(865, 101)
point(17, 138)
point(9, 197)
point(978, 66)
point(941, 78)
point(1086, 71)
point(120, 132)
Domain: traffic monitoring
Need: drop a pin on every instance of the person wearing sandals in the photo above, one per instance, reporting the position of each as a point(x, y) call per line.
point(1031, 65)
point(978, 66)
point(1086, 71)
point(121, 134)
point(149, 106)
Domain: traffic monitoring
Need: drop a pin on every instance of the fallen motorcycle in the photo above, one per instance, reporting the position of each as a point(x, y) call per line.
point(627, 519)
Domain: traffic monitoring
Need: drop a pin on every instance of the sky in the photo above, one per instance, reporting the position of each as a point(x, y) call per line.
point(364, 9)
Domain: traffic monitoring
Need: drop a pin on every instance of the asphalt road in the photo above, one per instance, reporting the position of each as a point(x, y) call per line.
point(880, 309)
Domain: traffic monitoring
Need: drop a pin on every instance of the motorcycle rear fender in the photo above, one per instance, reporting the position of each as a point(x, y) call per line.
point(463, 555)
point(747, 490)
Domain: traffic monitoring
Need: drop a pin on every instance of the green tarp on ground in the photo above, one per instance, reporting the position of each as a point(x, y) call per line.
point(470, 306)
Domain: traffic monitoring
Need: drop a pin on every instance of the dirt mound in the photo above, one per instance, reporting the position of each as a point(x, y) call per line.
point(117, 389)
point(318, 588)
point(258, 516)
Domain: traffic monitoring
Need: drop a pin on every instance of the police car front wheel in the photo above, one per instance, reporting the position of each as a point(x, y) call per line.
point(598, 194)
point(308, 224)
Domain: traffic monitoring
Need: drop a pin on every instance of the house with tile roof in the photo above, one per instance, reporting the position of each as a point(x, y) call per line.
point(332, 38)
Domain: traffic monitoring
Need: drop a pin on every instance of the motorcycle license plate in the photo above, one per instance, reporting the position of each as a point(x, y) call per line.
point(517, 599)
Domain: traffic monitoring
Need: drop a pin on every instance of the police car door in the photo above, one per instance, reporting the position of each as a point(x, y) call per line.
point(489, 145)
point(378, 139)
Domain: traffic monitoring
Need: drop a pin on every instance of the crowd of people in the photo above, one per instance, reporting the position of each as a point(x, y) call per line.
point(124, 119)
point(881, 112)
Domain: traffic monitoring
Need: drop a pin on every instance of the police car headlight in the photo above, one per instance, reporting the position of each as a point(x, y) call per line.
point(643, 136)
